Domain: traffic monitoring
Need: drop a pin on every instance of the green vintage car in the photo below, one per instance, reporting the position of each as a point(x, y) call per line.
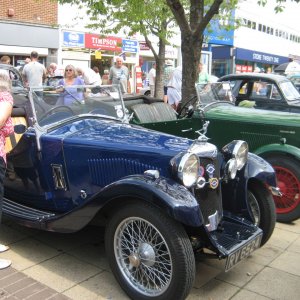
point(273, 135)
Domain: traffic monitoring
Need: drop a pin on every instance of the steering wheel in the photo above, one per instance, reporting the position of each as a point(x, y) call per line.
point(183, 111)
point(53, 110)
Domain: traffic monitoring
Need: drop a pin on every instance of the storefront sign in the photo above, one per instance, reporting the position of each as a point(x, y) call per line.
point(261, 57)
point(130, 46)
point(73, 39)
point(94, 41)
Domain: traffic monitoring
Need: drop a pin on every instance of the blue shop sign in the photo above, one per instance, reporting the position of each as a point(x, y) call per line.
point(73, 39)
point(217, 34)
point(261, 57)
point(130, 46)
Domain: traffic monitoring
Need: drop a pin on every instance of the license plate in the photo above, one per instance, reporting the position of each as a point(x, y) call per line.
point(242, 253)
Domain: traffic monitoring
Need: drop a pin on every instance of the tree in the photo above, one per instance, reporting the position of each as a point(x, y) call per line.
point(148, 17)
point(155, 17)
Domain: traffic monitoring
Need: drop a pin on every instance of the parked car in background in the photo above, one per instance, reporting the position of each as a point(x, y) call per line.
point(274, 136)
point(163, 199)
point(267, 91)
point(295, 79)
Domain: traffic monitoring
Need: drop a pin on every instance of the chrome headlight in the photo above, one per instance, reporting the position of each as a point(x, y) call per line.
point(240, 153)
point(237, 154)
point(188, 169)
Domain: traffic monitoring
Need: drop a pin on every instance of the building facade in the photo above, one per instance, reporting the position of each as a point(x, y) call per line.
point(28, 25)
point(264, 40)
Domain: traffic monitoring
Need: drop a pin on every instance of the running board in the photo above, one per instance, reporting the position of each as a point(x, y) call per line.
point(25, 213)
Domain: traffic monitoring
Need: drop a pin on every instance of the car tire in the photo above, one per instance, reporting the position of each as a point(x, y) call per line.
point(147, 93)
point(288, 179)
point(262, 209)
point(149, 253)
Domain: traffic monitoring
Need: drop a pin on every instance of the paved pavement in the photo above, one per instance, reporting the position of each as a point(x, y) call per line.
point(73, 266)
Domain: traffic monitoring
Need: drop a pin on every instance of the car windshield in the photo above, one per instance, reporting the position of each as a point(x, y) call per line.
point(289, 90)
point(58, 104)
point(214, 92)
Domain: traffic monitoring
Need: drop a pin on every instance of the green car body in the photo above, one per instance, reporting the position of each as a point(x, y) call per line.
point(273, 135)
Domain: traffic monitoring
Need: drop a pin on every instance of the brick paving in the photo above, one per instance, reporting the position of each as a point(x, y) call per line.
point(15, 285)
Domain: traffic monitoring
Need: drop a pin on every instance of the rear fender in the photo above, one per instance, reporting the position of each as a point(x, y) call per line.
point(278, 148)
point(171, 197)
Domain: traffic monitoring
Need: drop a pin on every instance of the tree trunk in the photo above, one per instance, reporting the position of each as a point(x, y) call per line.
point(191, 52)
point(160, 64)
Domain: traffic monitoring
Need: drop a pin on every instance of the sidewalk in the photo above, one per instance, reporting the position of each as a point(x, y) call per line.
point(73, 266)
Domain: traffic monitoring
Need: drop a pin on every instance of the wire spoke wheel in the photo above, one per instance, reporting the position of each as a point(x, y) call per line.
point(143, 256)
point(290, 189)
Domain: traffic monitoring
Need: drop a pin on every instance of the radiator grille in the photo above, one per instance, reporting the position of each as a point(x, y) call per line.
point(210, 200)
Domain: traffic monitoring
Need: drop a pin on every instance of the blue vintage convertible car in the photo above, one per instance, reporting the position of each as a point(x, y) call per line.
point(163, 199)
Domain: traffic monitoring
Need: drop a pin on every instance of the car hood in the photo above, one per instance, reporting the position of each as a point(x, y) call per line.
point(130, 140)
point(227, 112)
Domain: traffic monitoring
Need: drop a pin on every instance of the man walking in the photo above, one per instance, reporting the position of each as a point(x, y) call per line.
point(34, 72)
point(119, 74)
point(152, 76)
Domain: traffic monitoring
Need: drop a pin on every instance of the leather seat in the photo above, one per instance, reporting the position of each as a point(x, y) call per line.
point(155, 112)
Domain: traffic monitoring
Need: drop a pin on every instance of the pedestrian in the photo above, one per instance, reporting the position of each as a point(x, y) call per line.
point(34, 73)
point(89, 76)
point(5, 59)
point(96, 70)
point(203, 75)
point(53, 70)
point(167, 75)
point(174, 88)
point(6, 128)
point(105, 77)
point(70, 94)
point(152, 76)
point(119, 74)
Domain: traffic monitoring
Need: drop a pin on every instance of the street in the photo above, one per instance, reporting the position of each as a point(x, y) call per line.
point(60, 266)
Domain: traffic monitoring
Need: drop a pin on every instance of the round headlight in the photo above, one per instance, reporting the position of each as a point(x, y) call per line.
point(240, 153)
point(188, 169)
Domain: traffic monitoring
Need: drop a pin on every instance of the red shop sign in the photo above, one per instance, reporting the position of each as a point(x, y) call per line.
point(95, 41)
point(244, 68)
point(250, 69)
point(238, 67)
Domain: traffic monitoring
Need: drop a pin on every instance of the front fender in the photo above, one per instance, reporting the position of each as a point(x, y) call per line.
point(278, 148)
point(236, 192)
point(260, 169)
point(171, 197)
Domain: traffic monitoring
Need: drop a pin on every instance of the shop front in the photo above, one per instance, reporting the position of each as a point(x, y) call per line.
point(17, 37)
point(94, 50)
point(250, 61)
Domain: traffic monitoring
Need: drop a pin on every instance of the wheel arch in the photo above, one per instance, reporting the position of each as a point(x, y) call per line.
point(273, 149)
point(181, 206)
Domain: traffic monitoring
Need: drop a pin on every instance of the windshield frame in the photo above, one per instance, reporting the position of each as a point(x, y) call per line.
point(94, 98)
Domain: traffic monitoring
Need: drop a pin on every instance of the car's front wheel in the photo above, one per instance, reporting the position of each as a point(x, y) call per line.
point(150, 254)
point(262, 209)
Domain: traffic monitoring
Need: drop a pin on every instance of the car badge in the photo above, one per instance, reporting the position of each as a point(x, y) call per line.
point(213, 182)
point(201, 171)
point(210, 169)
point(201, 182)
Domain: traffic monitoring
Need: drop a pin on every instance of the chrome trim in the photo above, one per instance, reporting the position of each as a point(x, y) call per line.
point(152, 173)
point(275, 191)
point(213, 222)
point(58, 177)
